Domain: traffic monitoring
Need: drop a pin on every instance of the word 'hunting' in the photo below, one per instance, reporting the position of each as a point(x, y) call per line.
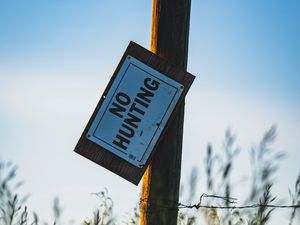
point(132, 111)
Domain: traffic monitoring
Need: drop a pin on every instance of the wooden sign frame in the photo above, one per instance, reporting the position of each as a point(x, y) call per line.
point(110, 161)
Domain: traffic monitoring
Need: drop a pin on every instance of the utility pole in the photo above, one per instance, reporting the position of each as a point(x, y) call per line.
point(160, 190)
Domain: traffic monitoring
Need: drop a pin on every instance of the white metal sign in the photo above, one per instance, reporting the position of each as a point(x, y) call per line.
point(135, 111)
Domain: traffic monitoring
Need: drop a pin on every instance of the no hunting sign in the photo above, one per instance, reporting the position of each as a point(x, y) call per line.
point(133, 113)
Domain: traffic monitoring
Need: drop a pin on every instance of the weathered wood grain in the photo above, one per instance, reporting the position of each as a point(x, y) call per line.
point(161, 182)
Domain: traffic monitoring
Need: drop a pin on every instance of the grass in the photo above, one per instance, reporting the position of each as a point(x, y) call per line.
point(219, 169)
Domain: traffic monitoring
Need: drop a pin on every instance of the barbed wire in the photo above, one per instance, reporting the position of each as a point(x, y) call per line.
point(172, 205)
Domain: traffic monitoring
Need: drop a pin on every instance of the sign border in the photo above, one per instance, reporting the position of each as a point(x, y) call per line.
point(110, 161)
point(177, 88)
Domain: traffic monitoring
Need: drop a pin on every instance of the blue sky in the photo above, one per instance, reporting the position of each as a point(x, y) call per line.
point(57, 56)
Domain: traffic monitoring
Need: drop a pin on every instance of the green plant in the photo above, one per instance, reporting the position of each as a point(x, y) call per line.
point(12, 210)
point(103, 215)
point(295, 200)
point(217, 207)
point(264, 163)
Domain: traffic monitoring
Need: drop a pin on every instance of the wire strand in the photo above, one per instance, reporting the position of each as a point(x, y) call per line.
point(172, 205)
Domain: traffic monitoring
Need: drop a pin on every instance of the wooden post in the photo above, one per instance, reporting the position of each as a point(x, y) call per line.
point(160, 190)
